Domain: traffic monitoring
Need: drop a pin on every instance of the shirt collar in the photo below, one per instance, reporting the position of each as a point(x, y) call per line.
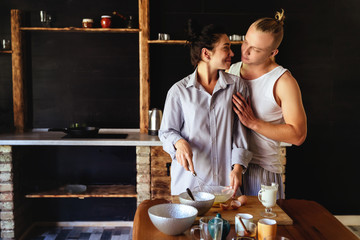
point(223, 81)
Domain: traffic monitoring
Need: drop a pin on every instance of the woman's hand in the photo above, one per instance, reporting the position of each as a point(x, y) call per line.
point(244, 111)
point(184, 155)
point(236, 178)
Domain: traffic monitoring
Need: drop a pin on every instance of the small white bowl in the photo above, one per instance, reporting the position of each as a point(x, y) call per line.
point(75, 188)
point(203, 201)
point(172, 219)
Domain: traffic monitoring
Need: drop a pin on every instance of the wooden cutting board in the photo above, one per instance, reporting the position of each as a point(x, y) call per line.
point(253, 207)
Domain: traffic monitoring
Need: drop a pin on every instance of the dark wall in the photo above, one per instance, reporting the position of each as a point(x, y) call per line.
point(89, 78)
point(53, 167)
point(320, 48)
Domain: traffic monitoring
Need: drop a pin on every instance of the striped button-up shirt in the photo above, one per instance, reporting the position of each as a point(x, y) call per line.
point(217, 138)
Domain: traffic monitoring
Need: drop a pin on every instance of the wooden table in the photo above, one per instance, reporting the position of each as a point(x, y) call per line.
point(310, 221)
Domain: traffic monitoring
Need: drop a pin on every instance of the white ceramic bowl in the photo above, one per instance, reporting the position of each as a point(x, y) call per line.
point(203, 201)
point(172, 219)
point(222, 194)
point(75, 188)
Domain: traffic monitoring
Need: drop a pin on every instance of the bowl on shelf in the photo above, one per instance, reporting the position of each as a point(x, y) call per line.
point(222, 193)
point(172, 219)
point(203, 201)
point(75, 188)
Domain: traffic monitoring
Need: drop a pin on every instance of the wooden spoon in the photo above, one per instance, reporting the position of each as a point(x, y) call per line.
point(246, 232)
point(190, 194)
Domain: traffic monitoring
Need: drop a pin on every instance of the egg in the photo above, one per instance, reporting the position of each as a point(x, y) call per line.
point(243, 200)
point(235, 204)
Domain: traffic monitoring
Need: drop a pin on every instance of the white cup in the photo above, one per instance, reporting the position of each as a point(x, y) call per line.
point(246, 218)
point(166, 36)
point(163, 36)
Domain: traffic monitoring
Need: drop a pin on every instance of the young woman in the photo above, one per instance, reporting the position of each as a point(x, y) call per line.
point(275, 112)
point(198, 128)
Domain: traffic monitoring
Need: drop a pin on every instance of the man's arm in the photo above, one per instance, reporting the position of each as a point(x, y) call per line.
point(288, 96)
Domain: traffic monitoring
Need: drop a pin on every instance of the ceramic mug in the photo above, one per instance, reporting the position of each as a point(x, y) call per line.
point(266, 228)
point(246, 218)
point(205, 228)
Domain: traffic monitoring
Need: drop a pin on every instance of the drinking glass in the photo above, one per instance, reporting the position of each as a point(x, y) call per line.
point(267, 196)
point(208, 230)
point(45, 18)
point(216, 228)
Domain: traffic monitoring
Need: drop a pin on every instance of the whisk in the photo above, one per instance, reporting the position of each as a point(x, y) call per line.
point(202, 184)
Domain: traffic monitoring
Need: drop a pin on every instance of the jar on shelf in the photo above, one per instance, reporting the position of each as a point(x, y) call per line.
point(5, 44)
point(130, 23)
point(87, 23)
point(105, 21)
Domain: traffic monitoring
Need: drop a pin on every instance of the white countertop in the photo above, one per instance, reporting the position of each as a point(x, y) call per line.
point(42, 137)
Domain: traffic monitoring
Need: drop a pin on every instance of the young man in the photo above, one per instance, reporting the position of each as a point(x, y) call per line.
point(274, 112)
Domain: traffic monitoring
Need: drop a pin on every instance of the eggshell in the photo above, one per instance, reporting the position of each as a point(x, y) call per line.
point(235, 204)
point(224, 206)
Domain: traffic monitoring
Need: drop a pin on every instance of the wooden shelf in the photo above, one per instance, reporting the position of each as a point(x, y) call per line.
point(236, 42)
point(5, 51)
point(93, 191)
point(167, 41)
point(75, 29)
point(181, 42)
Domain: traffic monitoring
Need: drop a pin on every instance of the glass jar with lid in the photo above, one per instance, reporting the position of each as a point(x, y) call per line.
point(105, 21)
point(87, 23)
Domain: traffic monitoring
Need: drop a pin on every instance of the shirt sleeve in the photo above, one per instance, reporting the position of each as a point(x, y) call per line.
point(171, 123)
point(240, 146)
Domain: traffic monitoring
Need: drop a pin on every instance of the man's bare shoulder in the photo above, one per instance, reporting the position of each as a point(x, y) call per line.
point(287, 80)
point(287, 76)
point(287, 87)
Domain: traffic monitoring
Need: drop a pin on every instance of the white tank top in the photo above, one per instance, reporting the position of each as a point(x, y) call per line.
point(266, 152)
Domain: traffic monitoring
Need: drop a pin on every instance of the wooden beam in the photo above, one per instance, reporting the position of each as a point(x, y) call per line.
point(89, 30)
point(144, 64)
point(93, 191)
point(183, 42)
point(18, 72)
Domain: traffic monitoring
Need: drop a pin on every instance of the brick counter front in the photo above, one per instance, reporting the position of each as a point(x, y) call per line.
point(16, 212)
point(6, 193)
